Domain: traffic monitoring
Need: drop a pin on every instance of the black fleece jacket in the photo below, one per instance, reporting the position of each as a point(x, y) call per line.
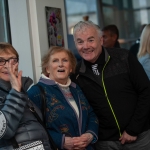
point(124, 84)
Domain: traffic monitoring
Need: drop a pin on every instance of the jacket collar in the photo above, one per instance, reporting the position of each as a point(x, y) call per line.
point(52, 82)
point(5, 85)
point(83, 66)
point(26, 83)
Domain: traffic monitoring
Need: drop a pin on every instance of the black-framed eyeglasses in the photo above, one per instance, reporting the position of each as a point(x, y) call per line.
point(3, 61)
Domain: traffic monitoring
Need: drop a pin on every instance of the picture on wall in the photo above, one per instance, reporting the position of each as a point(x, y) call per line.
point(54, 26)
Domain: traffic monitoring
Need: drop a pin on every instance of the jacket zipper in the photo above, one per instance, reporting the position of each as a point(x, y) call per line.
point(106, 95)
point(104, 87)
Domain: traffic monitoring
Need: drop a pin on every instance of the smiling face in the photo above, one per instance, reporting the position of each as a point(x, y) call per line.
point(88, 43)
point(3, 69)
point(59, 67)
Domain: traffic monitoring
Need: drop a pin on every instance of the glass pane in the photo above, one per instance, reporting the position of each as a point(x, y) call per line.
point(77, 10)
point(109, 15)
point(140, 3)
point(125, 3)
point(4, 30)
point(148, 11)
point(144, 16)
point(140, 17)
point(143, 3)
point(135, 4)
point(107, 1)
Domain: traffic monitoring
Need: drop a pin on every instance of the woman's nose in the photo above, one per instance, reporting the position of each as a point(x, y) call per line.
point(60, 63)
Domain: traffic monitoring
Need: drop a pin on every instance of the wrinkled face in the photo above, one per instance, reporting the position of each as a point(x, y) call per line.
point(108, 39)
point(4, 74)
point(88, 44)
point(59, 67)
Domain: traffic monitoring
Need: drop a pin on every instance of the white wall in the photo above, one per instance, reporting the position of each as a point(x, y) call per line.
point(38, 27)
point(29, 32)
point(20, 34)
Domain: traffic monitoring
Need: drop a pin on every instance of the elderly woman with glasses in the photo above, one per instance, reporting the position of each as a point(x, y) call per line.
point(18, 126)
point(70, 119)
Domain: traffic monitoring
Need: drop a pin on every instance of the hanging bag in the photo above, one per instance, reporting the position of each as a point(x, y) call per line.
point(37, 145)
point(53, 145)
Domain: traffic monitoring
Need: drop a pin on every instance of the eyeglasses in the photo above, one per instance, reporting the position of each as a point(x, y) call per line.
point(3, 61)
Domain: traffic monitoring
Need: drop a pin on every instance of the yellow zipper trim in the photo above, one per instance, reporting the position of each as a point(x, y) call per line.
point(108, 98)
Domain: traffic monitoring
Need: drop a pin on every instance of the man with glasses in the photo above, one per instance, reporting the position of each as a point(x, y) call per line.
point(117, 88)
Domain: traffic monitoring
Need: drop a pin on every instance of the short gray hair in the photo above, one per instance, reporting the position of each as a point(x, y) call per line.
point(82, 24)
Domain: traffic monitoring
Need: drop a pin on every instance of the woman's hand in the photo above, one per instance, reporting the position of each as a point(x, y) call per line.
point(79, 143)
point(15, 76)
point(83, 141)
point(68, 143)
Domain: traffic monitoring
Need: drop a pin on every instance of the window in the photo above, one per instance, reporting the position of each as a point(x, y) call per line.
point(128, 16)
point(78, 10)
point(4, 22)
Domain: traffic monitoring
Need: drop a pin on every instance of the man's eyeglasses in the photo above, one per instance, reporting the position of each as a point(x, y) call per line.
point(3, 61)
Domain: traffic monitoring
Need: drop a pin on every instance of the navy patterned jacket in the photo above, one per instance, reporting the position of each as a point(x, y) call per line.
point(61, 118)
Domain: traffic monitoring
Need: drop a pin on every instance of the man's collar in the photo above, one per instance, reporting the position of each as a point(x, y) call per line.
point(83, 62)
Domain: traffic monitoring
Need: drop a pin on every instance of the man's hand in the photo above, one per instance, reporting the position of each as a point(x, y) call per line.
point(126, 138)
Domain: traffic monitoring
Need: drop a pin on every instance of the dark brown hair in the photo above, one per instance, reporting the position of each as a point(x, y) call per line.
point(8, 48)
point(112, 28)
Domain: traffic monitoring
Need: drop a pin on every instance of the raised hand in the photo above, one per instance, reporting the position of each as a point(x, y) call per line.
point(14, 75)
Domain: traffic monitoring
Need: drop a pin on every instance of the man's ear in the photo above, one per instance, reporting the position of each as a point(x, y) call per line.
point(114, 37)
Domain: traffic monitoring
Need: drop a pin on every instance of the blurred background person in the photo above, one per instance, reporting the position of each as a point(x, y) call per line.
point(70, 120)
point(110, 36)
point(144, 50)
point(135, 47)
point(18, 125)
